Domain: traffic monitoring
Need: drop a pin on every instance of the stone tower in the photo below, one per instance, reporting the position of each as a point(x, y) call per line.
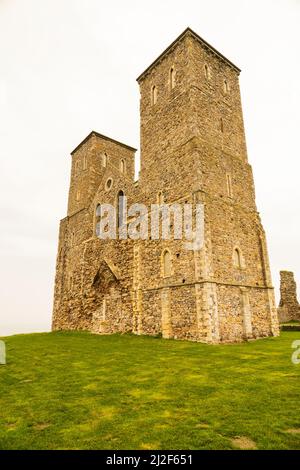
point(192, 150)
point(289, 308)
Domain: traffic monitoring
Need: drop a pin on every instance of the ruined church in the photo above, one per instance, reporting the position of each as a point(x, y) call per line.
point(193, 150)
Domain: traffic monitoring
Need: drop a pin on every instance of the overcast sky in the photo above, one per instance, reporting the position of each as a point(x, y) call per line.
point(69, 66)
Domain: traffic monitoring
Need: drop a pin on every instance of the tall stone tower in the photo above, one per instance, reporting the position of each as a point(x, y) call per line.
point(192, 150)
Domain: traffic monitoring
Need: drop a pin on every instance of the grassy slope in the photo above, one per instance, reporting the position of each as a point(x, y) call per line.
point(77, 390)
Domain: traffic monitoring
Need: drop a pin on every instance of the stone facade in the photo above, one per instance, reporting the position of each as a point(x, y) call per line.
point(193, 149)
point(289, 308)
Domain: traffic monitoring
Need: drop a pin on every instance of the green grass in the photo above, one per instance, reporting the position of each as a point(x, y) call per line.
point(82, 391)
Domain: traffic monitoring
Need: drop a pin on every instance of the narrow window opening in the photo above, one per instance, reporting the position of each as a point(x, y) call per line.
point(207, 72)
point(237, 258)
point(222, 125)
point(226, 87)
point(122, 166)
point(160, 198)
point(154, 95)
point(167, 264)
point(121, 209)
point(172, 78)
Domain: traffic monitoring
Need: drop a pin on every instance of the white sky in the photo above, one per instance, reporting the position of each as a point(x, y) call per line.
point(69, 66)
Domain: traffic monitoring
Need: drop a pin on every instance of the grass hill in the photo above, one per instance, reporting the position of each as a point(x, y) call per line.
point(72, 390)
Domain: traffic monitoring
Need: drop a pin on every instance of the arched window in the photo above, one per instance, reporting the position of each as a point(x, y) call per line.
point(76, 168)
point(77, 195)
point(237, 258)
point(160, 198)
point(172, 78)
point(226, 87)
point(122, 166)
point(166, 263)
point(104, 159)
point(153, 95)
point(121, 209)
point(97, 220)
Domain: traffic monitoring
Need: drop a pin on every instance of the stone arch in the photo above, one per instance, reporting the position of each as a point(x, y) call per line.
point(107, 303)
point(237, 258)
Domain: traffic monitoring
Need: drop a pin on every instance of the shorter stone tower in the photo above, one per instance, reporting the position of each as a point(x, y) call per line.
point(289, 308)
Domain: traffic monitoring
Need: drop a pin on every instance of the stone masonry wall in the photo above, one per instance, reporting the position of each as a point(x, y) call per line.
point(193, 150)
point(289, 308)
